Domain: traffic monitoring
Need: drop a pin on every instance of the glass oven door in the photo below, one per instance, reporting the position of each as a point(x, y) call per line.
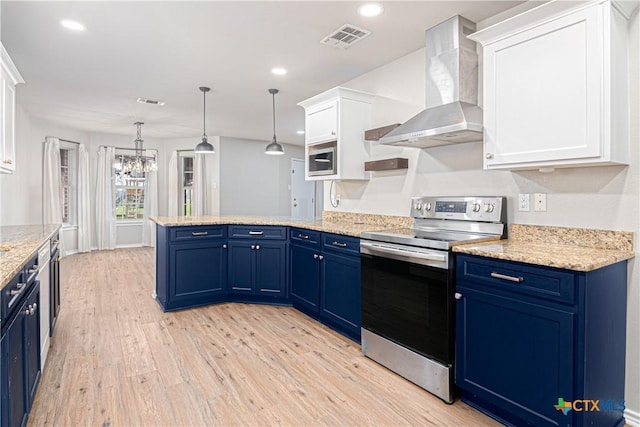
point(409, 304)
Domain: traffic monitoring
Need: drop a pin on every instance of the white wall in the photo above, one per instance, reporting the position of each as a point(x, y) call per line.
point(596, 197)
point(253, 183)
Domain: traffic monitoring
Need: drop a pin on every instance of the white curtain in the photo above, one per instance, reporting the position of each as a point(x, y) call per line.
point(174, 184)
point(150, 208)
point(84, 200)
point(198, 198)
point(105, 200)
point(51, 181)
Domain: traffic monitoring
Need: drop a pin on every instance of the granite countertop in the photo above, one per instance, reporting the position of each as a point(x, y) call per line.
point(334, 225)
point(568, 248)
point(18, 244)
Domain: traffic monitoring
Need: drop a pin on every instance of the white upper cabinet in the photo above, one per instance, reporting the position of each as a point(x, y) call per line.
point(555, 87)
point(321, 123)
point(9, 78)
point(335, 122)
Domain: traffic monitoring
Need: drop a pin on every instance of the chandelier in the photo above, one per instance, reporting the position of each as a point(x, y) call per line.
point(139, 162)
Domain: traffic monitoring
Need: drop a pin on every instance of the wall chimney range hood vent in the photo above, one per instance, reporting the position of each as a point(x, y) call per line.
point(452, 114)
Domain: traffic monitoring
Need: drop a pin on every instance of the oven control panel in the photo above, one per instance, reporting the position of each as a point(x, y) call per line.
point(485, 209)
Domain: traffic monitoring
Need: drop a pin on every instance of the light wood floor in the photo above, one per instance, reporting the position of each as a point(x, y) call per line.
point(118, 360)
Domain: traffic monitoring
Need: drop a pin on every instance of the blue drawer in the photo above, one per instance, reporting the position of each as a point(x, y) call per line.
point(542, 282)
point(197, 233)
point(305, 237)
point(340, 243)
point(257, 232)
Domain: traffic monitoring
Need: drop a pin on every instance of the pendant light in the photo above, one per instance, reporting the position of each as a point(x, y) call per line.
point(274, 148)
point(204, 147)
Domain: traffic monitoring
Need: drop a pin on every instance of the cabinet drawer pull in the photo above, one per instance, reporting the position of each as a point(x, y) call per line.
point(303, 236)
point(257, 247)
point(518, 279)
point(339, 244)
point(256, 233)
point(199, 233)
point(20, 285)
point(315, 256)
point(320, 257)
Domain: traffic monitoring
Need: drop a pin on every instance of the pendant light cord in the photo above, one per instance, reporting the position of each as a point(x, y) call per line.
point(273, 95)
point(204, 114)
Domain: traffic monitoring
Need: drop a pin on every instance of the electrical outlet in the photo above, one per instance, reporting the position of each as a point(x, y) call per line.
point(540, 202)
point(523, 202)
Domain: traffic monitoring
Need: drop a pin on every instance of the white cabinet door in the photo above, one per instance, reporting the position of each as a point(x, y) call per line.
point(543, 93)
point(7, 127)
point(555, 87)
point(322, 123)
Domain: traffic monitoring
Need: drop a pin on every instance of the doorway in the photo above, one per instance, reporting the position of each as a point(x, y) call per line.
point(302, 192)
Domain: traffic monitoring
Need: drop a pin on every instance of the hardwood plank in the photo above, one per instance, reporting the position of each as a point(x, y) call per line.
point(117, 360)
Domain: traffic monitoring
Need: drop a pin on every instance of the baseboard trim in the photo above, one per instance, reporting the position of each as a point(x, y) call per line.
point(130, 245)
point(70, 252)
point(632, 418)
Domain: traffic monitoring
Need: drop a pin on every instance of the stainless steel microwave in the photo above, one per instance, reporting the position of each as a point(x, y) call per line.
point(323, 162)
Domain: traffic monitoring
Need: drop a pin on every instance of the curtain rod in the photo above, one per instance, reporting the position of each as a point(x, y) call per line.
point(63, 140)
point(131, 149)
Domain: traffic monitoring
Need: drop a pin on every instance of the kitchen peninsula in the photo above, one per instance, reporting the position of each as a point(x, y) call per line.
point(313, 265)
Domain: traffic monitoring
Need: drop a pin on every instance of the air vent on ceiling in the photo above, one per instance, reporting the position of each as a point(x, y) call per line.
point(345, 36)
point(150, 101)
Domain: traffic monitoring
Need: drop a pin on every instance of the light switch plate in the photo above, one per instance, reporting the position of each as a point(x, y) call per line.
point(523, 202)
point(540, 202)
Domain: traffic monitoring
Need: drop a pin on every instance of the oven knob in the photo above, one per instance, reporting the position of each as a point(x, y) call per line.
point(418, 205)
point(475, 207)
point(427, 206)
point(488, 207)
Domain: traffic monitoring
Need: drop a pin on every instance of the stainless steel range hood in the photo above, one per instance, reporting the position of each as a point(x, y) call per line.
point(452, 115)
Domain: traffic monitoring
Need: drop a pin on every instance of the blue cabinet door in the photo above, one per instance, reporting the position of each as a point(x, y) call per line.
point(198, 273)
point(4, 410)
point(241, 267)
point(270, 267)
point(32, 344)
point(305, 277)
point(16, 387)
point(340, 295)
point(515, 355)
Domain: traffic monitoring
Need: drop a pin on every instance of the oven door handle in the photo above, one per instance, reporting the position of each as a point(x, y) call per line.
point(374, 249)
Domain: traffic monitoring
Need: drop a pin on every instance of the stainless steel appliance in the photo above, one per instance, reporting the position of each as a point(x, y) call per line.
point(452, 114)
point(408, 286)
point(54, 283)
point(322, 161)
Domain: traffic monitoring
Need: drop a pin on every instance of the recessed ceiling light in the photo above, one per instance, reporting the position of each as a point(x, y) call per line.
point(72, 25)
point(279, 71)
point(371, 9)
point(300, 132)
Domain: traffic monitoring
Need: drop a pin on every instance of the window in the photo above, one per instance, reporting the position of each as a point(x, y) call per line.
point(130, 187)
point(186, 184)
point(68, 182)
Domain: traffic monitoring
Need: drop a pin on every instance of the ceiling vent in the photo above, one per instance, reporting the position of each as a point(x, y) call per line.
point(345, 36)
point(150, 101)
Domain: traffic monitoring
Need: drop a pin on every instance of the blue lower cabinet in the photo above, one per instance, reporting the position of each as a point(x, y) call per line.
point(191, 266)
point(20, 354)
point(258, 268)
point(305, 278)
point(16, 410)
point(340, 294)
point(198, 274)
point(530, 339)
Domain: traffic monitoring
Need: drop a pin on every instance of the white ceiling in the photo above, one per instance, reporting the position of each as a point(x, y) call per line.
point(166, 50)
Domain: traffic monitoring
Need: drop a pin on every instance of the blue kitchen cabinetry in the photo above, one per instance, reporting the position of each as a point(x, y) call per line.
point(305, 270)
point(325, 279)
point(529, 338)
point(258, 263)
point(191, 266)
point(20, 345)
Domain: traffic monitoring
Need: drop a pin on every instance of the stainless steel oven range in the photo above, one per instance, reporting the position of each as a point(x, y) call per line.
point(408, 286)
